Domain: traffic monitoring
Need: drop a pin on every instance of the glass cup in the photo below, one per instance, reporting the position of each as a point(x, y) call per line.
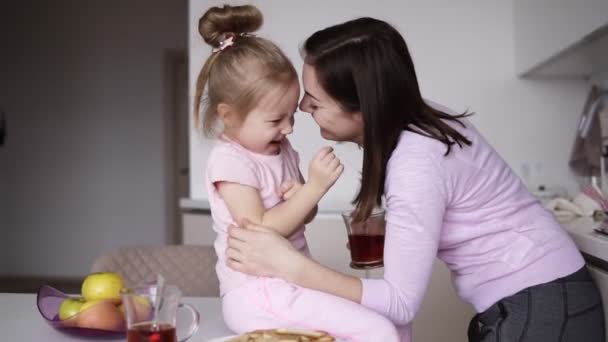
point(146, 323)
point(366, 239)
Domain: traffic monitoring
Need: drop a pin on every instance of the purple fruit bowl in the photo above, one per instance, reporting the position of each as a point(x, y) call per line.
point(48, 300)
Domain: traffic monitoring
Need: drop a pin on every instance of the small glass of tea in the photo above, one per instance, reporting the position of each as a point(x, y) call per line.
point(366, 239)
point(147, 323)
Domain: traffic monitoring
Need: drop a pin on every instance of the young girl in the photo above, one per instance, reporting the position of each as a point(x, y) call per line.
point(253, 174)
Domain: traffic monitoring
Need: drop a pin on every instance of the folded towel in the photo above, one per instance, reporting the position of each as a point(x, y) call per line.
point(587, 203)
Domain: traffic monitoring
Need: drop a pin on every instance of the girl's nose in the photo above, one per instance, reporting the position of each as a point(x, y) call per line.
point(288, 129)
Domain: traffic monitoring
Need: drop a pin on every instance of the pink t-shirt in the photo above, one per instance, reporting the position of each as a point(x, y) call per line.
point(230, 162)
point(471, 211)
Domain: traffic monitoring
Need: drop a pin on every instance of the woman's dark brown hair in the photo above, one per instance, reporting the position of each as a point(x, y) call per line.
point(365, 66)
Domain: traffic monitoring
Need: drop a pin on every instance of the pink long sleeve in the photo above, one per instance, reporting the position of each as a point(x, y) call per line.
point(415, 203)
point(470, 210)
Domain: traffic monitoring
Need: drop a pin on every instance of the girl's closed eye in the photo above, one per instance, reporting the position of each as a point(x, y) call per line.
point(275, 121)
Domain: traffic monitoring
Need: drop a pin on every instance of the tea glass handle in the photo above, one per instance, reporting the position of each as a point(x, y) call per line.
point(196, 317)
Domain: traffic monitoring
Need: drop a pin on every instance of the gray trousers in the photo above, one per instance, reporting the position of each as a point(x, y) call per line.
point(568, 309)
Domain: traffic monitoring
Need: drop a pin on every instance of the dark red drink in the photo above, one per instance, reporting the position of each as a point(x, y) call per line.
point(366, 251)
point(148, 332)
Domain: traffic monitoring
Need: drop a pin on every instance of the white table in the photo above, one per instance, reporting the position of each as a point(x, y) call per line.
point(21, 321)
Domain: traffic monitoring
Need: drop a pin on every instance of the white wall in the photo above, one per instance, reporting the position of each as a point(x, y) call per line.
point(464, 55)
point(83, 168)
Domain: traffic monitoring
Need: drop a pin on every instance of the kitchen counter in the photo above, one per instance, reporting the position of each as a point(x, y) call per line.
point(201, 205)
point(189, 204)
point(581, 229)
point(589, 242)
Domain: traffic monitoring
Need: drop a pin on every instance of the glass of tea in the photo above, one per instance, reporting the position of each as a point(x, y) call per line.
point(366, 239)
point(147, 322)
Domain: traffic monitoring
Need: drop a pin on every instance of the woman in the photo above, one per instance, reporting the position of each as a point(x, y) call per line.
point(448, 195)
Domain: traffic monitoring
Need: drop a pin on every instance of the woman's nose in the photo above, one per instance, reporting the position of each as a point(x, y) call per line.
point(302, 105)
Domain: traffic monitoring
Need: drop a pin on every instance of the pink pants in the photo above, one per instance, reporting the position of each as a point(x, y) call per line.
point(268, 303)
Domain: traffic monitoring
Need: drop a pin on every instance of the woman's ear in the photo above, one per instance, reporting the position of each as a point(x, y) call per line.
point(227, 114)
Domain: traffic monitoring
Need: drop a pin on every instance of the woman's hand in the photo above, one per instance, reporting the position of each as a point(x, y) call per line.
point(259, 251)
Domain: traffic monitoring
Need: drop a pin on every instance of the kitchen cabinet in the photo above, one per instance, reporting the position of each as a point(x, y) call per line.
point(196, 223)
point(561, 37)
point(594, 247)
point(601, 279)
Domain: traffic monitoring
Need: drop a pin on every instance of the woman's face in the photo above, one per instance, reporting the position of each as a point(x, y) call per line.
point(334, 122)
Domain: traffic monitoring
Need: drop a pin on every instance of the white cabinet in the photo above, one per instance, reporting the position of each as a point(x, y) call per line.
point(196, 222)
point(197, 229)
point(601, 279)
point(561, 37)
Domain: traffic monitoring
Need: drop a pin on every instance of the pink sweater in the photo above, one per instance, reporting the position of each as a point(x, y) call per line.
point(470, 210)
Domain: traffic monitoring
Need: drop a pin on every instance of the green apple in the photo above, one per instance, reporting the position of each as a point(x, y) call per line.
point(102, 286)
point(70, 307)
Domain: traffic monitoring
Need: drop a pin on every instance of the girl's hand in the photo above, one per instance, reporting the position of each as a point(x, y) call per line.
point(289, 188)
point(259, 251)
point(324, 169)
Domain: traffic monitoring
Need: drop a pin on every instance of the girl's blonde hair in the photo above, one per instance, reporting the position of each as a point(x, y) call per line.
point(239, 74)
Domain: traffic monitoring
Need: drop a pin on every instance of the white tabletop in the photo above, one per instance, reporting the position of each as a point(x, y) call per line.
point(21, 321)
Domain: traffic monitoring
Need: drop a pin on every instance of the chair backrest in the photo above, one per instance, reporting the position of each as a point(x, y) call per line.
point(190, 267)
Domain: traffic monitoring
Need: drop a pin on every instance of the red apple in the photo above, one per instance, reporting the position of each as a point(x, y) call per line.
point(101, 314)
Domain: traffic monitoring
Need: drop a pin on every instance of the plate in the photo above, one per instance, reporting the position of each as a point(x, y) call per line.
point(226, 338)
point(222, 339)
point(48, 300)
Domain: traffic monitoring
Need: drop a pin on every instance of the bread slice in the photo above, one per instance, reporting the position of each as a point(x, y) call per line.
point(284, 335)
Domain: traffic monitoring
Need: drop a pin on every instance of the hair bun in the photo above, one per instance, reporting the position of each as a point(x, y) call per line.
point(218, 21)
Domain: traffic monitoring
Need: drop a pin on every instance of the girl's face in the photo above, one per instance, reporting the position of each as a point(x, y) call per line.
point(264, 128)
point(334, 122)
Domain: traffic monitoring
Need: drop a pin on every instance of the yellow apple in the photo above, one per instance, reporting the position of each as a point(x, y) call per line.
point(102, 285)
point(101, 314)
point(70, 307)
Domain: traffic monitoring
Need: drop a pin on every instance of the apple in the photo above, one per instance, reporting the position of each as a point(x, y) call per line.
point(68, 309)
point(101, 314)
point(102, 285)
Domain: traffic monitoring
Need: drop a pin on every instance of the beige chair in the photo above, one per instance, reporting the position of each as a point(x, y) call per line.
point(190, 267)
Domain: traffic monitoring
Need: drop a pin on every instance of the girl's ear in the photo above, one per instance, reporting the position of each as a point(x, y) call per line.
point(227, 114)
